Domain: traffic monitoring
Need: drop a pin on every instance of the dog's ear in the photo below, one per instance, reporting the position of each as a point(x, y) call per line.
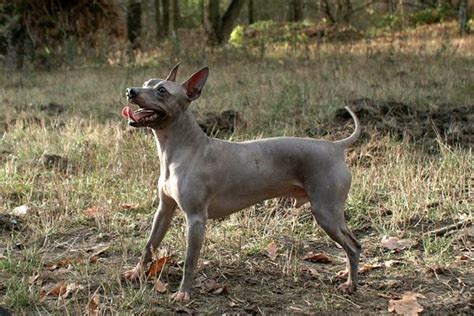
point(172, 75)
point(195, 83)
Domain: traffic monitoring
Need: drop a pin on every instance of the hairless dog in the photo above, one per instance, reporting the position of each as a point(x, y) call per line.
point(209, 178)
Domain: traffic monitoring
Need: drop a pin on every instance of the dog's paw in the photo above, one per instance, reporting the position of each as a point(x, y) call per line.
point(180, 296)
point(347, 287)
point(134, 274)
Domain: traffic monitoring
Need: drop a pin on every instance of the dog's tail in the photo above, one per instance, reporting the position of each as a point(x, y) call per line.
point(351, 139)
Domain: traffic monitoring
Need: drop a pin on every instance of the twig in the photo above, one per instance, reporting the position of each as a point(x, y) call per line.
point(348, 301)
point(443, 230)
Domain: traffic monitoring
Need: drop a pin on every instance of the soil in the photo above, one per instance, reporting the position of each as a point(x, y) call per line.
point(451, 124)
point(257, 284)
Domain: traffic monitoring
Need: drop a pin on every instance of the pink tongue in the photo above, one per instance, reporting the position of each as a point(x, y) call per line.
point(127, 112)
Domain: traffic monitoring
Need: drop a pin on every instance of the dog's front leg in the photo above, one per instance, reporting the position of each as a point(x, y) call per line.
point(196, 229)
point(161, 223)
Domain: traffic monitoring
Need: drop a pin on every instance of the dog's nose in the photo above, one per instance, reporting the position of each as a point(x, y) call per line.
point(131, 92)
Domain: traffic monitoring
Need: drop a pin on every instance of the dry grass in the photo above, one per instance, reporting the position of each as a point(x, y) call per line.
point(398, 190)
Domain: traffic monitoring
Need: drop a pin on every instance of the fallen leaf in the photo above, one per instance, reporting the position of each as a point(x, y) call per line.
point(407, 305)
point(221, 290)
point(393, 243)
point(157, 265)
point(464, 257)
point(57, 290)
point(61, 263)
point(272, 250)
point(70, 288)
point(21, 210)
point(92, 212)
point(130, 206)
point(392, 263)
point(211, 285)
point(64, 263)
point(369, 267)
point(160, 287)
point(317, 257)
point(93, 305)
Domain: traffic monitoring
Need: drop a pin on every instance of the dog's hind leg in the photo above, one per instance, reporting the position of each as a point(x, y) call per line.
point(327, 205)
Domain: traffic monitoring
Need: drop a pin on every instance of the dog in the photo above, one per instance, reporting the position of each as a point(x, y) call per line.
point(210, 178)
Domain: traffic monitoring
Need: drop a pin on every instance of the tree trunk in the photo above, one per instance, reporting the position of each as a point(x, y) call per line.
point(212, 21)
point(250, 11)
point(218, 29)
point(229, 18)
point(165, 26)
point(176, 15)
point(158, 19)
point(463, 17)
point(202, 10)
point(296, 10)
point(134, 24)
point(327, 10)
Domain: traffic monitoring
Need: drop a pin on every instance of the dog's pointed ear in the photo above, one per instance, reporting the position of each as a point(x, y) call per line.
point(195, 83)
point(172, 75)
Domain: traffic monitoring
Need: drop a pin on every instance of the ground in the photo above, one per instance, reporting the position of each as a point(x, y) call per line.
point(87, 184)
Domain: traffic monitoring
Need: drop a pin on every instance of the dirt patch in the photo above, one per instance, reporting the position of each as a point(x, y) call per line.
point(451, 124)
point(256, 283)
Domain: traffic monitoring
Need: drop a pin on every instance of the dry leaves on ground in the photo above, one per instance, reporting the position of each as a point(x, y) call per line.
point(317, 257)
point(157, 265)
point(367, 267)
point(68, 262)
point(93, 212)
point(130, 206)
point(272, 250)
point(160, 287)
point(63, 263)
point(60, 289)
point(93, 305)
point(396, 244)
point(212, 286)
point(407, 305)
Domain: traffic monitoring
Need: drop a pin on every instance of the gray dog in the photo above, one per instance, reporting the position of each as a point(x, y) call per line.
point(209, 178)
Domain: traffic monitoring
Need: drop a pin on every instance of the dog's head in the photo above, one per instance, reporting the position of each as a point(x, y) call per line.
point(162, 101)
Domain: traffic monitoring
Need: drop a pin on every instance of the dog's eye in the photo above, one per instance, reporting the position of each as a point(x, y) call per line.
point(162, 90)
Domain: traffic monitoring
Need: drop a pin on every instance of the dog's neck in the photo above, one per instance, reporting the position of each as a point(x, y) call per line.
point(182, 134)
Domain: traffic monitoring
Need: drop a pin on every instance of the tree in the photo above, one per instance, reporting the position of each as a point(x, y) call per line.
point(250, 11)
point(463, 17)
point(134, 24)
point(218, 28)
point(295, 13)
point(162, 18)
point(158, 19)
point(165, 9)
point(176, 15)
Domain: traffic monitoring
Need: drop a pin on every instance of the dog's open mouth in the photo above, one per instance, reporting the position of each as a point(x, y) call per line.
point(140, 116)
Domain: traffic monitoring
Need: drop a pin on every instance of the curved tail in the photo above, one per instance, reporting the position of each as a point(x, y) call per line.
point(351, 139)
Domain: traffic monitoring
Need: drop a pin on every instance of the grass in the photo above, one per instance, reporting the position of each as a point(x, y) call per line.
point(398, 189)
